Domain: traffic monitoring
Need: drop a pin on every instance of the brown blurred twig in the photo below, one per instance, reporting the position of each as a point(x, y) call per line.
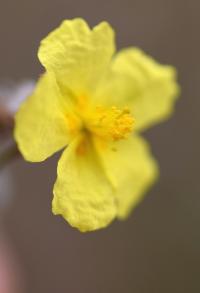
point(8, 154)
point(6, 120)
point(8, 148)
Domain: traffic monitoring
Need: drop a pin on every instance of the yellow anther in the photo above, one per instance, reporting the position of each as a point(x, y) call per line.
point(106, 123)
point(111, 122)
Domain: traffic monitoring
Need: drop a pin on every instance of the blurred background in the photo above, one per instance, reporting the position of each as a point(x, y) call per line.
point(158, 248)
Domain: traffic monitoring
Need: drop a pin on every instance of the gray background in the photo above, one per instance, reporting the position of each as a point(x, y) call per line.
point(158, 248)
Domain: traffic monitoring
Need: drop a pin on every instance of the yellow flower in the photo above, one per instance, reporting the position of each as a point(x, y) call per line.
point(90, 100)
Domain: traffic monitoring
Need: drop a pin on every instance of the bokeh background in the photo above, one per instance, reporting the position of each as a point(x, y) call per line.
point(158, 248)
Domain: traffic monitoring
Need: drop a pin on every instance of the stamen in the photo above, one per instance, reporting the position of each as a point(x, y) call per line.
point(110, 122)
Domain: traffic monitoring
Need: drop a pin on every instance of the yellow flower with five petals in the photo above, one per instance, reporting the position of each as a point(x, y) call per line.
point(94, 103)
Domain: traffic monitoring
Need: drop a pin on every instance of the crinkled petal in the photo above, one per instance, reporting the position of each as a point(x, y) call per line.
point(40, 124)
point(148, 88)
point(131, 168)
point(82, 193)
point(77, 55)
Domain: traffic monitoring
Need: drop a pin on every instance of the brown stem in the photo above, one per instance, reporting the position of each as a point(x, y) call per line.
point(8, 154)
point(9, 150)
point(6, 120)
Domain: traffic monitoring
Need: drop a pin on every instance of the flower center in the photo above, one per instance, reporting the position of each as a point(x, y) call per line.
point(109, 123)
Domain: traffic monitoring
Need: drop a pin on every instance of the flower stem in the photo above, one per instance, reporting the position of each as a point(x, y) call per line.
point(8, 154)
point(8, 148)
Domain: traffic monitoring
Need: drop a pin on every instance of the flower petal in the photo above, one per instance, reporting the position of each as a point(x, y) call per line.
point(131, 169)
point(41, 126)
point(148, 88)
point(82, 193)
point(77, 55)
